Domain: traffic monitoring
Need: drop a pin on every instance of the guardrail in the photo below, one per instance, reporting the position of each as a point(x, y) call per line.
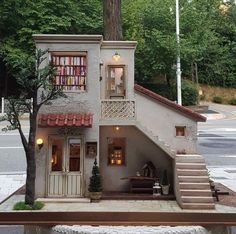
point(4, 103)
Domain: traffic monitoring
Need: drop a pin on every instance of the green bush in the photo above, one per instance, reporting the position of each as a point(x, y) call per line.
point(22, 206)
point(189, 93)
point(232, 101)
point(217, 99)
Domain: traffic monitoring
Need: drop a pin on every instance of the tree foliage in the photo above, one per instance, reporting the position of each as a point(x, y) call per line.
point(207, 39)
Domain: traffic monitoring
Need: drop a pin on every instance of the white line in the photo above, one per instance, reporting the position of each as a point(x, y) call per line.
point(11, 147)
point(227, 156)
point(12, 134)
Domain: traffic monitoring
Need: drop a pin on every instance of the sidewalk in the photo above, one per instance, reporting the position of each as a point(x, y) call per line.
point(10, 183)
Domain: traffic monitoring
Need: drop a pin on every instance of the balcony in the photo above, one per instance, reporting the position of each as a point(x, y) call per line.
point(119, 109)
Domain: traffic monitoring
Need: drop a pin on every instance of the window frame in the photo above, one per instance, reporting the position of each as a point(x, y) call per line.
point(70, 54)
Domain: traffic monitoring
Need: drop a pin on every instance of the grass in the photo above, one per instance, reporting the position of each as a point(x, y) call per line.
point(22, 206)
point(209, 92)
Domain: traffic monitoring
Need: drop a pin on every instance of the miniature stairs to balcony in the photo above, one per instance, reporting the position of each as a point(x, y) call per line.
point(160, 143)
point(193, 179)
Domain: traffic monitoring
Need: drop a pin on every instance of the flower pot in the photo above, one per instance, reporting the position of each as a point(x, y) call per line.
point(95, 196)
point(165, 189)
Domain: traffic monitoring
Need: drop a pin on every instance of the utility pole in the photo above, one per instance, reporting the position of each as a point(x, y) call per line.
point(178, 65)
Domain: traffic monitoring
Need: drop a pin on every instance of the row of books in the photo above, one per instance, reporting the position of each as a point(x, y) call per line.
point(70, 80)
point(69, 60)
point(72, 88)
point(71, 71)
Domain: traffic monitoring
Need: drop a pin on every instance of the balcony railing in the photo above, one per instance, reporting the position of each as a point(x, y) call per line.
point(118, 109)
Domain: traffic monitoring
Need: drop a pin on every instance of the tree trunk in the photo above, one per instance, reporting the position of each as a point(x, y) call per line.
point(112, 20)
point(30, 157)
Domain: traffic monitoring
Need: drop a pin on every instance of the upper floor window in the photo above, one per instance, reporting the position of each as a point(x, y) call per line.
point(71, 71)
point(116, 81)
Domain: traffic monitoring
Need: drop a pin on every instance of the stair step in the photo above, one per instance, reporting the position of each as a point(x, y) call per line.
point(198, 206)
point(190, 165)
point(190, 159)
point(197, 186)
point(196, 192)
point(192, 172)
point(196, 199)
point(199, 179)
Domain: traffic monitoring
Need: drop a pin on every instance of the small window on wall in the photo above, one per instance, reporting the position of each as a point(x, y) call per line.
point(116, 151)
point(180, 131)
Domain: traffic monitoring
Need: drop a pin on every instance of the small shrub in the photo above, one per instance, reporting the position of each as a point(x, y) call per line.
point(217, 99)
point(232, 101)
point(22, 206)
point(189, 93)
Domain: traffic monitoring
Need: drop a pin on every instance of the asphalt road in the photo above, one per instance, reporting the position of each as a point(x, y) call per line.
point(217, 142)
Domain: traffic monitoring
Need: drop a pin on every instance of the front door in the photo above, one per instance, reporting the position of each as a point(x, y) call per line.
point(65, 167)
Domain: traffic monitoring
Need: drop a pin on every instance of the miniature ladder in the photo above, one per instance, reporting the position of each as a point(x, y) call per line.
point(194, 187)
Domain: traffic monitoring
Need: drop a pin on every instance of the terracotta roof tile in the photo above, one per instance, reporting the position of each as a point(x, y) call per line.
point(169, 103)
point(60, 120)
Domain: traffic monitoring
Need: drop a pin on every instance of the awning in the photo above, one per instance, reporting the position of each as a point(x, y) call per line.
point(61, 120)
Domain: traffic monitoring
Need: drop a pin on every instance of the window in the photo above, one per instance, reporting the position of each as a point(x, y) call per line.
point(116, 151)
point(57, 154)
point(180, 130)
point(116, 82)
point(71, 71)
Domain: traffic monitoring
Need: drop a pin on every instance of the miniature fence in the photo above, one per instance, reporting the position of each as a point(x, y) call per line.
point(117, 109)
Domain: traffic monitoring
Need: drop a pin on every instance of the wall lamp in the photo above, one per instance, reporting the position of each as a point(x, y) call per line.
point(39, 142)
point(116, 56)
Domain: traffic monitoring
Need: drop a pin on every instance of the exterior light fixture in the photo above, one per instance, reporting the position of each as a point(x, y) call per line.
point(117, 128)
point(116, 56)
point(39, 142)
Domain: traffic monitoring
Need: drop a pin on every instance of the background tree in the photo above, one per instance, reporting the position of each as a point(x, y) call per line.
point(31, 78)
point(112, 20)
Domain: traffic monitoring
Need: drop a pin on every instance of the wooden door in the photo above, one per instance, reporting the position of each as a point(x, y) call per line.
point(65, 167)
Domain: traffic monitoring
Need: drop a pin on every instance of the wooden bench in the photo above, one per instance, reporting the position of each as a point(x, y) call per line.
point(141, 184)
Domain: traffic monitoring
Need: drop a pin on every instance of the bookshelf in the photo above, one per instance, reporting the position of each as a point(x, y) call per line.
point(71, 72)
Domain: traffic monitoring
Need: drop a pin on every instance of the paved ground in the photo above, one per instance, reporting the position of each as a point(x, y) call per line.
point(114, 205)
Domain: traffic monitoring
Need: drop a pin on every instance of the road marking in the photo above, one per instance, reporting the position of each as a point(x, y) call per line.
point(227, 156)
point(11, 147)
point(12, 134)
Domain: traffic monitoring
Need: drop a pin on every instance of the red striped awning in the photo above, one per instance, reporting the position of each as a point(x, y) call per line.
point(61, 120)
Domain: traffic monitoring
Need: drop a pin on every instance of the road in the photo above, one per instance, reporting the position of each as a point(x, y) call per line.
point(217, 143)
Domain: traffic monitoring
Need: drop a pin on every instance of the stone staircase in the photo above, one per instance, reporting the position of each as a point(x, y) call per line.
point(163, 145)
point(193, 179)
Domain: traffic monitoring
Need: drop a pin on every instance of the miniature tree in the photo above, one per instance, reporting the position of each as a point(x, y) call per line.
point(95, 184)
point(31, 77)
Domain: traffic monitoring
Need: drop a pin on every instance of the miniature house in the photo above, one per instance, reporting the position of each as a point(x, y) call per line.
point(107, 116)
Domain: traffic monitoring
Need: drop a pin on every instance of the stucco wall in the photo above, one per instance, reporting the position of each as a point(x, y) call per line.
point(162, 120)
point(127, 59)
point(139, 150)
point(76, 102)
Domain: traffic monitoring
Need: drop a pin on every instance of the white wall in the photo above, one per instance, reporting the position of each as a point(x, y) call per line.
point(162, 120)
point(126, 51)
point(76, 102)
point(139, 150)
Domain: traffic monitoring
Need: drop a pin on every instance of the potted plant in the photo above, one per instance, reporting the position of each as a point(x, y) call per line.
point(95, 185)
point(165, 185)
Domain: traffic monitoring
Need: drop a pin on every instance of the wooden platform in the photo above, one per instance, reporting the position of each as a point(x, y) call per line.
point(134, 196)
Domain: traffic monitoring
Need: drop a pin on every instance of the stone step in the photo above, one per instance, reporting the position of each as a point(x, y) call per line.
point(196, 192)
point(198, 206)
point(192, 172)
point(197, 186)
point(199, 179)
point(196, 199)
point(189, 166)
point(190, 159)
